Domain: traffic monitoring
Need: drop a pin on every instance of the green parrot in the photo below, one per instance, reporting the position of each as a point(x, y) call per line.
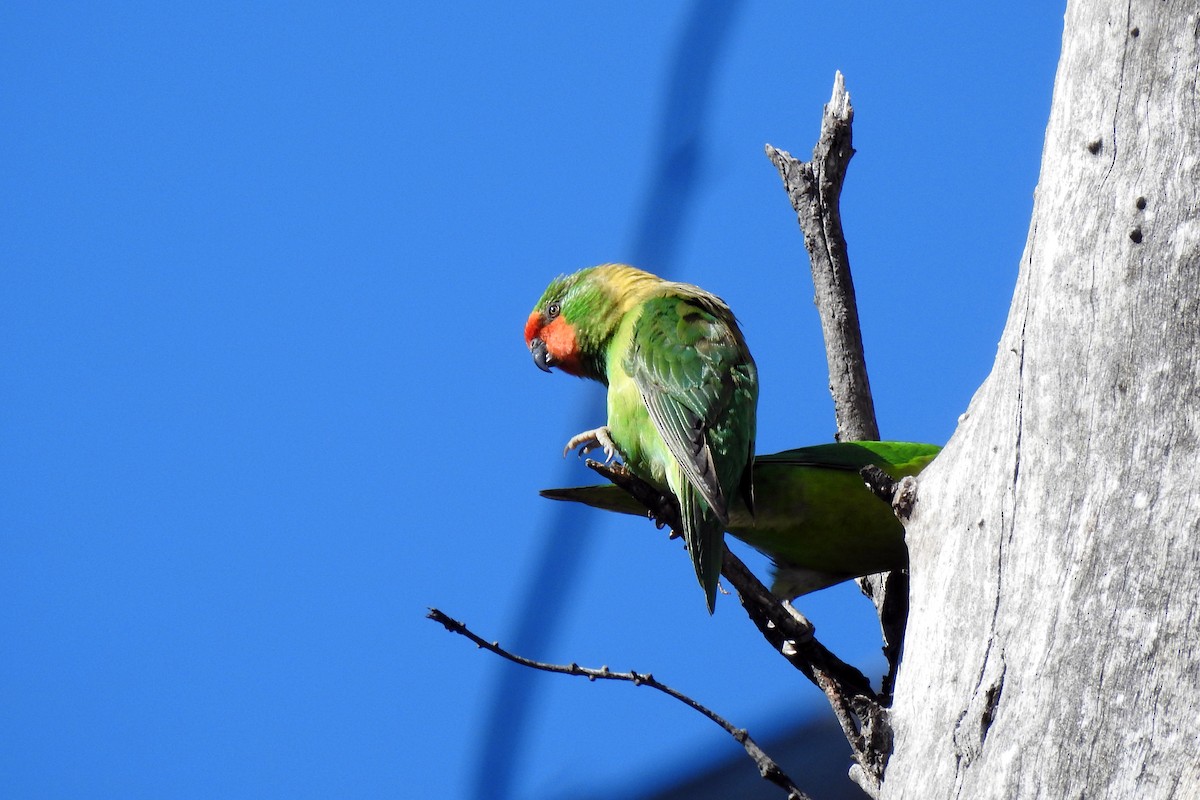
point(813, 514)
point(682, 390)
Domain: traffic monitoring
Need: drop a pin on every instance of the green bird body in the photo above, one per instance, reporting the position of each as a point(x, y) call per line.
point(682, 390)
point(813, 514)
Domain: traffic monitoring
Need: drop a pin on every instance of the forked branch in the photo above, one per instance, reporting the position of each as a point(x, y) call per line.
point(814, 189)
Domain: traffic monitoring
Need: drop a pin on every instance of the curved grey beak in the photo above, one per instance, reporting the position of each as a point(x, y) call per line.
point(541, 358)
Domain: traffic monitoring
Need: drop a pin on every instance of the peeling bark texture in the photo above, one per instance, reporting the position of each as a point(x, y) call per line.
point(1054, 634)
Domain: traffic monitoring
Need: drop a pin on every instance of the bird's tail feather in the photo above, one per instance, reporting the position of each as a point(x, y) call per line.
point(704, 534)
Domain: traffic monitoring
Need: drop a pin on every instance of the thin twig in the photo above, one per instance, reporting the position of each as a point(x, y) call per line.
point(767, 767)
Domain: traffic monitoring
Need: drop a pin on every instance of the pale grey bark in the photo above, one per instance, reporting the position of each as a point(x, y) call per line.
point(1053, 645)
point(815, 189)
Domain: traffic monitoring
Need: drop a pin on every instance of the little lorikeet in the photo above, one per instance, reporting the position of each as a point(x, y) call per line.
point(682, 390)
point(813, 514)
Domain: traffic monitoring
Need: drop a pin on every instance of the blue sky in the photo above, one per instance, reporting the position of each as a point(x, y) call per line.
point(263, 274)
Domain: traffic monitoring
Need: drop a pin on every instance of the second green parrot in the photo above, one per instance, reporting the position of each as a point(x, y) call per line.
point(682, 390)
point(813, 514)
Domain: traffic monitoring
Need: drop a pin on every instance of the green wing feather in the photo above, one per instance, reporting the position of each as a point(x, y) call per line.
point(699, 383)
point(895, 458)
point(679, 359)
point(813, 516)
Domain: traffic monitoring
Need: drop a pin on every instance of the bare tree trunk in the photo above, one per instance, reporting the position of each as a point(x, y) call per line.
point(1053, 643)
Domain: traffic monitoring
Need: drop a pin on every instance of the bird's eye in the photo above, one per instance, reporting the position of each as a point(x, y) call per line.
point(552, 310)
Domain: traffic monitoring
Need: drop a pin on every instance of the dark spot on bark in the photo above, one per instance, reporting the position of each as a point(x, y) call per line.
point(1134, 32)
point(1141, 204)
point(991, 701)
point(1136, 235)
point(1094, 146)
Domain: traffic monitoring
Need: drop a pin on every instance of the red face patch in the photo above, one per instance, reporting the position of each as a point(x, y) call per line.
point(559, 337)
point(533, 326)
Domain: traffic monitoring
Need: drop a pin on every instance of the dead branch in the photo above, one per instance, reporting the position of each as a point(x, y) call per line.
point(859, 711)
point(767, 767)
point(814, 189)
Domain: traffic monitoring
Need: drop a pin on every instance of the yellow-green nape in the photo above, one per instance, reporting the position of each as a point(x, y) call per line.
point(592, 293)
point(622, 276)
point(618, 288)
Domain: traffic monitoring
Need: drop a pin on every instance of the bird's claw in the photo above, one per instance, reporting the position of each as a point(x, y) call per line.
point(588, 441)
